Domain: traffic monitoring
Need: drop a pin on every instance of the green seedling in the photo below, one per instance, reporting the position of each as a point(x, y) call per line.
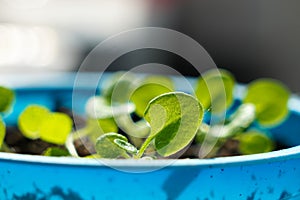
point(265, 102)
point(165, 121)
point(151, 87)
point(174, 119)
point(270, 98)
point(38, 122)
point(253, 142)
point(215, 90)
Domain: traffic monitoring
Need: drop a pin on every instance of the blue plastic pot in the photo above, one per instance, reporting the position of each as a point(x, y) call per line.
point(274, 175)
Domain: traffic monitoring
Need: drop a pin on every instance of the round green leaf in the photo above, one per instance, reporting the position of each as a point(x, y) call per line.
point(215, 90)
point(107, 148)
point(174, 119)
point(143, 95)
point(270, 98)
point(254, 142)
point(55, 128)
point(6, 98)
point(30, 120)
point(2, 132)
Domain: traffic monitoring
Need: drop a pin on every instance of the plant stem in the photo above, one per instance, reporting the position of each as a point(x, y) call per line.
point(70, 145)
point(241, 119)
point(216, 135)
point(144, 147)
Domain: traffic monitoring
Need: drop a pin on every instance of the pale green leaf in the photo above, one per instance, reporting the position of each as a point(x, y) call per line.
point(215, 90)
point(107, 148)
point(55, 128)
point(118, 88)
point(6, 98)
point(270, 98)
point(253, 142)
point(30, 120)
point(147, 91)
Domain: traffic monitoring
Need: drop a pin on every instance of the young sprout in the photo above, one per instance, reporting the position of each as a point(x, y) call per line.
point(265, 101)
point(215, 90)
point(38, 122)
point(101, 117)
point(252, 142)
point(174, 119)
point(151, 87)
point(270, 98)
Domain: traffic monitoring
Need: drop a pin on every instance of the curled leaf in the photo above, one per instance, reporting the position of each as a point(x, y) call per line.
point(174, 119)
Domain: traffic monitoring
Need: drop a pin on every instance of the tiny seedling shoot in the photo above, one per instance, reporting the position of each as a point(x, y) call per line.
point(138, 116)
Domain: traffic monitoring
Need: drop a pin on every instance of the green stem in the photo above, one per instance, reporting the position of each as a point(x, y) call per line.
point(70, 145)
point(144, 147)
point(240, 120)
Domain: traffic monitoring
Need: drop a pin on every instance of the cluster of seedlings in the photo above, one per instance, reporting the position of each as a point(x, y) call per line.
point(145, 117)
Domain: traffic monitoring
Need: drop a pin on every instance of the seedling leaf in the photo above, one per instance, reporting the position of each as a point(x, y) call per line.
point(253, 142)
point(215, 90)
point(174, 119)
point(55, 128)
point(107, 148)
point(152, 87)
point(6, 98)
point(30, 120)
point(270, 98)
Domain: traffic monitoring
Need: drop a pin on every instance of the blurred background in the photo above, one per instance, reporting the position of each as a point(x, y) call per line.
point(251, 38)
